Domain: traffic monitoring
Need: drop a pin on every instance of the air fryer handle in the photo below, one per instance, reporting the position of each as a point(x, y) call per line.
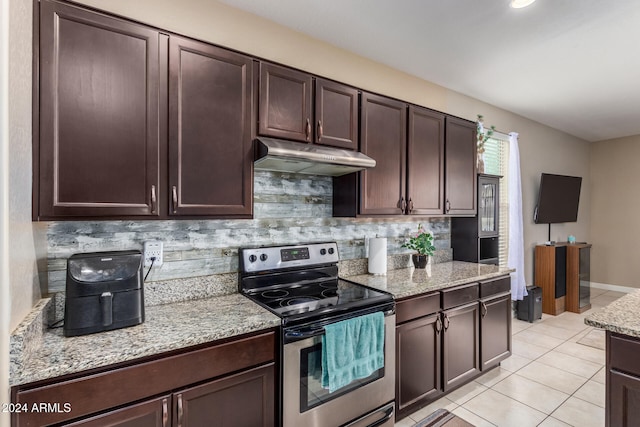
point(106, 303)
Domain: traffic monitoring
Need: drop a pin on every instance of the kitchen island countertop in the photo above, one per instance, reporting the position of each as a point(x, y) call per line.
point(409, 282)
point(621, 316)
point(166, 327)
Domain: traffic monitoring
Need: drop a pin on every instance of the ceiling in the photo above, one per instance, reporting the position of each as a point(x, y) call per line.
point(572, 65)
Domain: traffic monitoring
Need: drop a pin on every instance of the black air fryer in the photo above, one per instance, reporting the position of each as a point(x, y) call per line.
point(103, 292)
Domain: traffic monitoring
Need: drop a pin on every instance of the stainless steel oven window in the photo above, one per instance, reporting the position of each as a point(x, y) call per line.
point(312, 393)
point(363, 401)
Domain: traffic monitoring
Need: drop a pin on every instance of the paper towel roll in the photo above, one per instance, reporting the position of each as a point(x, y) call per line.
point(378, 255)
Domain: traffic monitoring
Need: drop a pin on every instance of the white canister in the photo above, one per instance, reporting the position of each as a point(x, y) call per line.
point(378, 255)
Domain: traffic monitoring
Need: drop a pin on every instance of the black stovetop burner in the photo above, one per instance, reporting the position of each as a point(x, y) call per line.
point(300, 283)
point(290, 300)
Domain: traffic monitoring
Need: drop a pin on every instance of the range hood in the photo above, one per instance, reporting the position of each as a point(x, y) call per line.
point(287, 156)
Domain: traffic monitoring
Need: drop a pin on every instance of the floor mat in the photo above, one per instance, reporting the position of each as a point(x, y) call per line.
point(442, 418)
point(595, 338)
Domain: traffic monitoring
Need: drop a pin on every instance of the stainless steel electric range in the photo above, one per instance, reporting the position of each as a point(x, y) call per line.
point(300, 284)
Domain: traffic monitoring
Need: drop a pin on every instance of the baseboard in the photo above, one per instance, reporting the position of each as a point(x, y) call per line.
point(616, 288)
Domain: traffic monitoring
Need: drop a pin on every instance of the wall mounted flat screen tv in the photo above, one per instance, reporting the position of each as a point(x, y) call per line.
point(558, 199)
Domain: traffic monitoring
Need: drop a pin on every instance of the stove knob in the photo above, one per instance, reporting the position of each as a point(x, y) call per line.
point(263, 257)
point(331, 251)
point(252, 258)
point(323, 251)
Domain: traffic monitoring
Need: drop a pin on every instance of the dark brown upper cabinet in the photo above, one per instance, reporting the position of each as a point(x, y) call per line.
point(460, 167)
point(383, 130)
point(425, 168)
point(336, 115)
point(287, 98)
point(285, 103)
point(425, 162)
point(210, 116)
point(98, 148)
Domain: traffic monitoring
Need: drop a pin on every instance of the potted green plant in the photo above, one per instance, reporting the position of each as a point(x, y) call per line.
point(482, 136)
point(422, 243)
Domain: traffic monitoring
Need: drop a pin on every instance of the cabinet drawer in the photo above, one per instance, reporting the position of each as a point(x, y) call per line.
point(623, 353)
point(459, 295)
point(494, 287)
point(415, 307)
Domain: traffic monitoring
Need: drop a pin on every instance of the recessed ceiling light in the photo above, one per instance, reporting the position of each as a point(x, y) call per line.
point(517, 4)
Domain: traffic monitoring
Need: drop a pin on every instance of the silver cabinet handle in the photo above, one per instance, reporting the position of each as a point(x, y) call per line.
point(180, 410)
point(448, 206)
point(403, 205)
point(484, 309)
point(153, 199)
point(319, 130)
point(438, 324)
point(410, 205)
point(308, 129)
point(446, 321)
point(174, 192)
point(165, 413)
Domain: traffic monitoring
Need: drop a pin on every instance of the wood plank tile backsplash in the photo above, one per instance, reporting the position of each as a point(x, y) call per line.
point(288, 208)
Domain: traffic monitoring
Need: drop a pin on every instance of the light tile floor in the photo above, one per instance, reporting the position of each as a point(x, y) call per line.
point(554, 377)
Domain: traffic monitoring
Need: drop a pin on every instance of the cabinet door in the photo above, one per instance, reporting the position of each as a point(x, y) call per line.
point(425, 162)
point(383, 138)
point(495, 330)
point(154, 413)
point(336, 115)
point(285, 103)
point(460, 167)
point(418, 361)
point(578, 297)
point(243, 399)
point(209, 130)
point(488, 206)
point(623, 400)
point(99, 139)
point(460, 349)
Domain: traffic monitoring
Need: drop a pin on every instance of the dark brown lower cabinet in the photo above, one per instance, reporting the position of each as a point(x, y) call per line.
point(153, 413)
point(624, 400)
point(622, 405)
point(460, 345)
point(418, 361)
point(446, 338)
point(495, 330)
point(244, 399)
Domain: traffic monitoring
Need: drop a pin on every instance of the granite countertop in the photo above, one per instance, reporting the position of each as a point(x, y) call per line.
point(38, 353)
point(408, 282)
point(167, 327)
point(621, 316)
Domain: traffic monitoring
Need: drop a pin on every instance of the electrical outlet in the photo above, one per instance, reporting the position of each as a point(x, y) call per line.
point(153, 248)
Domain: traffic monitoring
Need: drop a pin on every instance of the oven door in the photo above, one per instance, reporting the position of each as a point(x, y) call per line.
point(306, 403)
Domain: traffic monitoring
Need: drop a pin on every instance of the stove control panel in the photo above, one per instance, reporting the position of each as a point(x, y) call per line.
point(280, 257)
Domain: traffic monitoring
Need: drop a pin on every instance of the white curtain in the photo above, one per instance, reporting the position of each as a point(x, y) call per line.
point(516, 239)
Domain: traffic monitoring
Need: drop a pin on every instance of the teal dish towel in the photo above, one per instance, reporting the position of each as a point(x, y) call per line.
point(352, 349)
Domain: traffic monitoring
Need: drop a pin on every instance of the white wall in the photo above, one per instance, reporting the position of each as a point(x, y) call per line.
point(5, 306)
point(25, 288)
point(19, 286)
point(615, 205)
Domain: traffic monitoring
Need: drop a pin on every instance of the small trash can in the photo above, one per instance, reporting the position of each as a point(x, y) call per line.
point(530, 308)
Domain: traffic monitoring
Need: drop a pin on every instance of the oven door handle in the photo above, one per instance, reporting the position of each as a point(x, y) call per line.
point(304, 333)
